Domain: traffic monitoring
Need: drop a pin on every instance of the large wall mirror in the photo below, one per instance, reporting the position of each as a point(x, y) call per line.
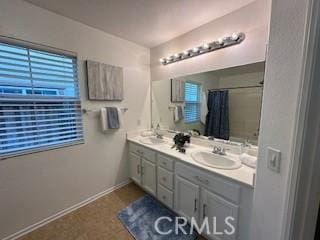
point(224, 104)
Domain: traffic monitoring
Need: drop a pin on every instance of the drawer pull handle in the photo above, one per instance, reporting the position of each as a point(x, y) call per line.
point(164, 163)
point(138, 169)
point(140, 152)
point(204, 181)
point(204, 211)
point(195, 205)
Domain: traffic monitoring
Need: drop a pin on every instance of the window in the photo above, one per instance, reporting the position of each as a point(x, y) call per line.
point(39, 100)
point(192, 102)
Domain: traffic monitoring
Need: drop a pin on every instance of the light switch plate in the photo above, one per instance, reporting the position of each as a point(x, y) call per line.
point(274, 159)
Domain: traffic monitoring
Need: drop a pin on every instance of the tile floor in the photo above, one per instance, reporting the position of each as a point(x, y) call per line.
point(95, 221)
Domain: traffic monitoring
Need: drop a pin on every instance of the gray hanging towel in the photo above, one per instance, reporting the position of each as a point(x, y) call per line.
point(180, 113)
point(113, 118)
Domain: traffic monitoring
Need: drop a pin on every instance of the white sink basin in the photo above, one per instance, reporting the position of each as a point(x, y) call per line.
point(152, 141)
point(215, 160)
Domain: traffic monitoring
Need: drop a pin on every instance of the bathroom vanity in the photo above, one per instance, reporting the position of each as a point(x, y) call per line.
point(208, 181)
point(192, 189)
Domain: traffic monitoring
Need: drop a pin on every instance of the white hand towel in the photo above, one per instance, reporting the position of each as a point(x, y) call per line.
point(176, 114)
point(203, 108)
point(104, 119)
point(248, 160)
point(120, 113)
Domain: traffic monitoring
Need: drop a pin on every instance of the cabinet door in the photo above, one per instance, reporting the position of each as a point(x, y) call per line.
point(148, 171)
point(135, 167)
point(218, 210)
point(186, 198)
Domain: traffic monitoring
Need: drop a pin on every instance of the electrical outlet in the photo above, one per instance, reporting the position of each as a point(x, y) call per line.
point(274, 159)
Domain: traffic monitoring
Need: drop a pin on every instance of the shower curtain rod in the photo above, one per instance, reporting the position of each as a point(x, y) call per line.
point(222, 89)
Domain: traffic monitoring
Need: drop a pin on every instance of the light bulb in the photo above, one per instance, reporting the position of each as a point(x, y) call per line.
point(206, 46)
point(235, 36)
point(168, 58)
point(177, 55)
point(220, 41)
point(185, 53)
point(195, 49)
point(162, 60)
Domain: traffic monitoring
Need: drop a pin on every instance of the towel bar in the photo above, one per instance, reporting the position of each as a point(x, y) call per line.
point(85, 110)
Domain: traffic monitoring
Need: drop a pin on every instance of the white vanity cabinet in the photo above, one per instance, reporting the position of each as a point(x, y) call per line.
point(201, 195)
point(187, 199)
point(165, 168)
point(135, 167)
point(193, 192)
point(143, 168)
point(217, 209)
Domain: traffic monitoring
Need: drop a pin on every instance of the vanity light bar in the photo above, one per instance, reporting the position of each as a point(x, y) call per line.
point(235, 38)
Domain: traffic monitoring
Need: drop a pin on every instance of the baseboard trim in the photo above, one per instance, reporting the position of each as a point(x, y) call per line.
point(64, 212)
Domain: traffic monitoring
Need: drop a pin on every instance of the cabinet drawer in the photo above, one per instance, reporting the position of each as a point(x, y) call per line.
point(165, 162)
point(144, 152)
point(165, 178)
point(221, 186)
point(165, 196)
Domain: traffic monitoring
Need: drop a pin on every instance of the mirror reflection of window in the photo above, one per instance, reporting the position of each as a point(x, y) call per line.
point(192, 102)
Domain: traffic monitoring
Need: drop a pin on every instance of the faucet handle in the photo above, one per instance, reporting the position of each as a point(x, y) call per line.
point(223, 151)
point(216, 149)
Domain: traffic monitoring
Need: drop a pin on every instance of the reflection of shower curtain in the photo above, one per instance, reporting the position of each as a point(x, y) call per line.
point(217, 121)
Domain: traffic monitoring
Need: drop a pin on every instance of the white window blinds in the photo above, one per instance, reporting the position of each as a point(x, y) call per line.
point(39, 100)
point(192, 102)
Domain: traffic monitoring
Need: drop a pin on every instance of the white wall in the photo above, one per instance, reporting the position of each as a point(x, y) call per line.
point(35, 186)
point(279, 108)
point(252, 19)
point(244, 104)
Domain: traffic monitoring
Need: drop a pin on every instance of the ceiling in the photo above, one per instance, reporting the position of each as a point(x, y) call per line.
point(146, 22)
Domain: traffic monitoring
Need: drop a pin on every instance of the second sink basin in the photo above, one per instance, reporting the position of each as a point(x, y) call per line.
point(215, 160)
point(152, 141)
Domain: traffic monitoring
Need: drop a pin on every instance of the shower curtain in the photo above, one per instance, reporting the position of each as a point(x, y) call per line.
point(217, 121)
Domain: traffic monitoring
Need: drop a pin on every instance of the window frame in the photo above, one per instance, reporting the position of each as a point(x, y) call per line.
point(76, 100)
point(197, 103)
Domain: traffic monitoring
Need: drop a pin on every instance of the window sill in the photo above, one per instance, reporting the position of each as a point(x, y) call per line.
point(193, 122)
point(38, 150)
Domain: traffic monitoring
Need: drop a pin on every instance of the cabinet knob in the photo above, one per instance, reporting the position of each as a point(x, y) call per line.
point(164, 197)
point(164, 179)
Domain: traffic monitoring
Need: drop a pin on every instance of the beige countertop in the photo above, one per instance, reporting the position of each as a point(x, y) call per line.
point(243, 175)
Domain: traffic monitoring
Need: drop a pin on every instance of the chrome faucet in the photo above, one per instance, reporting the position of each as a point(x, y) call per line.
point(157, 132)
point(219, 150)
